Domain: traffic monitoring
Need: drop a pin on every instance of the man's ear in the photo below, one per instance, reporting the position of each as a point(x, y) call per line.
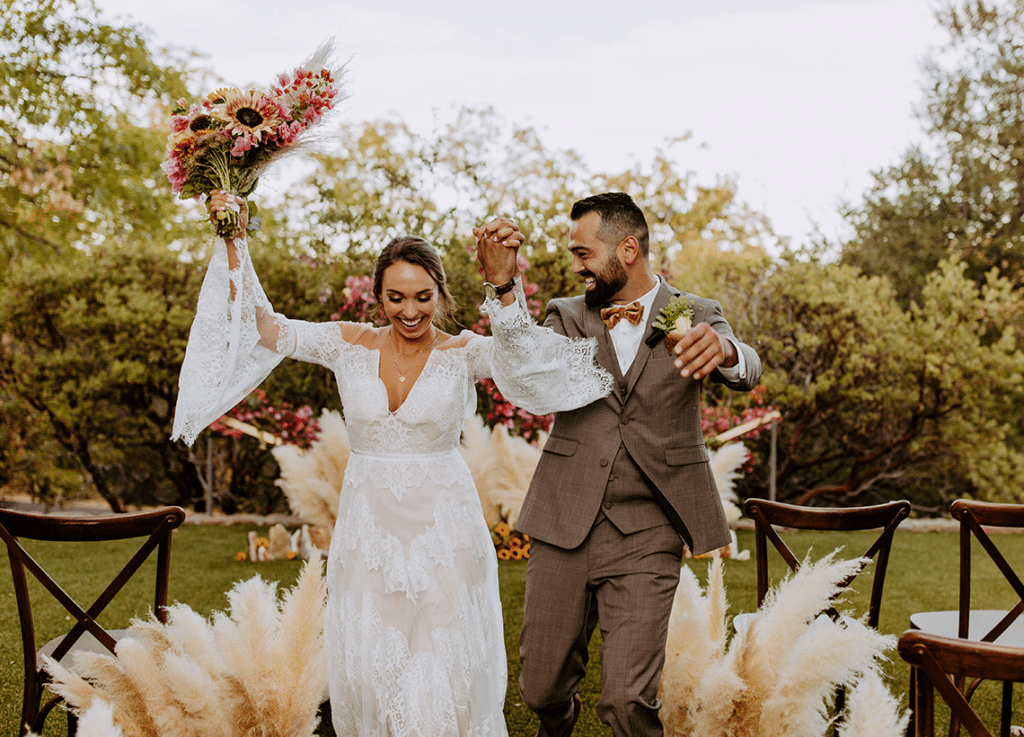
point(629, 250)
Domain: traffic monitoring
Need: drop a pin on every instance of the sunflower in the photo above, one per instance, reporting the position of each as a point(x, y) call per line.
point(246, 112)
point(200, 124)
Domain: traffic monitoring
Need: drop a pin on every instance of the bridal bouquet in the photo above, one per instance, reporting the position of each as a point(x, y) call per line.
point(229, 138)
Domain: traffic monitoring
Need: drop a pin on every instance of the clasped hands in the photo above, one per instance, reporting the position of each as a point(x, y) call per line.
point(497, 249)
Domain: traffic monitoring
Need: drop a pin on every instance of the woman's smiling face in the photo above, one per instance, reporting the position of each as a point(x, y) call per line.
point(409, 299)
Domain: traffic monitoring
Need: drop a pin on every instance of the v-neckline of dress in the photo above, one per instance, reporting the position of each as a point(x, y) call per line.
point(412, 387)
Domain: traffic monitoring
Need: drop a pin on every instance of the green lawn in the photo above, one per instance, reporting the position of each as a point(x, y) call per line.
point(922, 576)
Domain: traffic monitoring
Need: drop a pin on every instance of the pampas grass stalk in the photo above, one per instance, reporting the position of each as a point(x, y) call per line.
point(780, 675)
point(311, 480)
point(257, 669)
point(872, 710)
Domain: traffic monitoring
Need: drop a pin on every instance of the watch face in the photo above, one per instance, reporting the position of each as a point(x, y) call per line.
point(490, 292)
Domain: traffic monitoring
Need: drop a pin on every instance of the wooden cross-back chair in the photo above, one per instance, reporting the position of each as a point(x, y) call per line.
point(941, 663)
point(769, 516)
point(154, 526)
point(1001, 626)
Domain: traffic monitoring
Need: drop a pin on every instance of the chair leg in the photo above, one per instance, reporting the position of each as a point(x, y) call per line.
point(1007, 712)
point(912, 722)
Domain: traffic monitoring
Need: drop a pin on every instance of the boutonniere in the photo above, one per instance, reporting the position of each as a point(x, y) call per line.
point(677, 315)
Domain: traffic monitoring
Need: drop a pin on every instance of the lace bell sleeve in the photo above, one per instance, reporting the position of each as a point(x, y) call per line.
point(233, 345)
point(536, 368)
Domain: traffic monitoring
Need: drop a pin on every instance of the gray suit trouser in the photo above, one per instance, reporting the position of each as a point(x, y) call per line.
point(627, 584)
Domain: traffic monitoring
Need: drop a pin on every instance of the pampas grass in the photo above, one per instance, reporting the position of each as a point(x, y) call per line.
point(725, 466)
point(872, 710)
point(257, 669)
point(780, 674)
point(502, 466)
point(311, 480)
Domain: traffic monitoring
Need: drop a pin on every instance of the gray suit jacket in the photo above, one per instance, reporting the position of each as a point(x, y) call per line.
point(657, 417)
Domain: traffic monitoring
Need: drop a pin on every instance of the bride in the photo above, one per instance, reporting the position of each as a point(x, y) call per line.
point(413, 630)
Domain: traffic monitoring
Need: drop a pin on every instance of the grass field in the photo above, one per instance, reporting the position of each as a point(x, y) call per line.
point(922, 576)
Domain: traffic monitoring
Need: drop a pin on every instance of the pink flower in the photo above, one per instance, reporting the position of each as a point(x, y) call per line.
point(179, 123)
point(242, 144)
point(176, 174)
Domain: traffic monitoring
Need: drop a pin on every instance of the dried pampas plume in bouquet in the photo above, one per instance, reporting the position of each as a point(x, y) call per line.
point(780, 674)
point(258, 668)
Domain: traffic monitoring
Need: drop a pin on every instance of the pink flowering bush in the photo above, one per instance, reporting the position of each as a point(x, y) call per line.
point(288, 424)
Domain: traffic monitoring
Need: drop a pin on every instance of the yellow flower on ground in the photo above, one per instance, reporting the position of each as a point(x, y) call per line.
point(502, 529)
point(504, 554)
point(243, 555)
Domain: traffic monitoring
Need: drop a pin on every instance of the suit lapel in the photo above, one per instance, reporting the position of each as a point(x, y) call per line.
point(665, 293)
point(594, 326)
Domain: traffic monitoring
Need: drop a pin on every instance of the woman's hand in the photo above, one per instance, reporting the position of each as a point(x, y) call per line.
point(498, 243)
point(221, 201)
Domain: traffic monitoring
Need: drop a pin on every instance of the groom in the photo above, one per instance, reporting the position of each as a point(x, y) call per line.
point(622, 482)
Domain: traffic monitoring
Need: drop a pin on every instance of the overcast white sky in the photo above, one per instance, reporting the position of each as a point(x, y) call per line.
point(798, 99)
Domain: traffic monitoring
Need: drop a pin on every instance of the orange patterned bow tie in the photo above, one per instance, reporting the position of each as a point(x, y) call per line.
point(634, 312)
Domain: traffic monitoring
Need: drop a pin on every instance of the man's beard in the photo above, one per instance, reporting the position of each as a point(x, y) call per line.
point(606, 284)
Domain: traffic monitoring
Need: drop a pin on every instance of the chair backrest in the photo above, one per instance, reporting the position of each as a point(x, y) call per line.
point(769, 516)
point(154, 526)
point(974, 517)
point(938, 659)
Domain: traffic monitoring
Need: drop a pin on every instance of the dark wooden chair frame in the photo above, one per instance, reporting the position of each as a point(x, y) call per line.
point(156, 526)
point(974, 516)
point(769, 515)
point(943, 662)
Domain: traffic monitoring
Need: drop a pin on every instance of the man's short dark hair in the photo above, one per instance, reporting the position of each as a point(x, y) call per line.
point(620, 218)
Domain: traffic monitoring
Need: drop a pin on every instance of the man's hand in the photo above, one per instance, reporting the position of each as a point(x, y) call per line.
point(701, 350)
point(497, 246)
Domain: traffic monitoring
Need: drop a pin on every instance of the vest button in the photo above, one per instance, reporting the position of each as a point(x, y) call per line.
point(604, 462)
point(607, 505)
point(625, 420)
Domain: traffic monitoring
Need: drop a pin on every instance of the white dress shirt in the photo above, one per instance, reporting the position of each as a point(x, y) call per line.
point(626, 339)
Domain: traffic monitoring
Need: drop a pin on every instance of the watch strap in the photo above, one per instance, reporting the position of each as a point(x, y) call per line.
point(504, 288)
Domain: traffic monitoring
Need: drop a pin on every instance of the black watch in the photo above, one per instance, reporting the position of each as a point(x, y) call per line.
point(493, 292)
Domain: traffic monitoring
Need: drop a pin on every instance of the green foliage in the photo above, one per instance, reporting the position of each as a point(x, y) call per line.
point(960, 194)
point(92, 352)
point(79, 157)
point(879, 402)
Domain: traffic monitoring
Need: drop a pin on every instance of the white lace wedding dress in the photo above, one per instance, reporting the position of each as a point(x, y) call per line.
point(413, 630)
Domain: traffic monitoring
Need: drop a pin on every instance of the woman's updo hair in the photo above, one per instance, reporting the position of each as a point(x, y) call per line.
point(419, 252)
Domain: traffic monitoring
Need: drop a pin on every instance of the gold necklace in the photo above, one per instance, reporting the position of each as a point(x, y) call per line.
point(394, 354)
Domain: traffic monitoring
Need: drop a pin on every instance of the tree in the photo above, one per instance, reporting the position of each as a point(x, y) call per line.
point(961, 193)
point(92, 351)
point(79, 154)
point(880, 402)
